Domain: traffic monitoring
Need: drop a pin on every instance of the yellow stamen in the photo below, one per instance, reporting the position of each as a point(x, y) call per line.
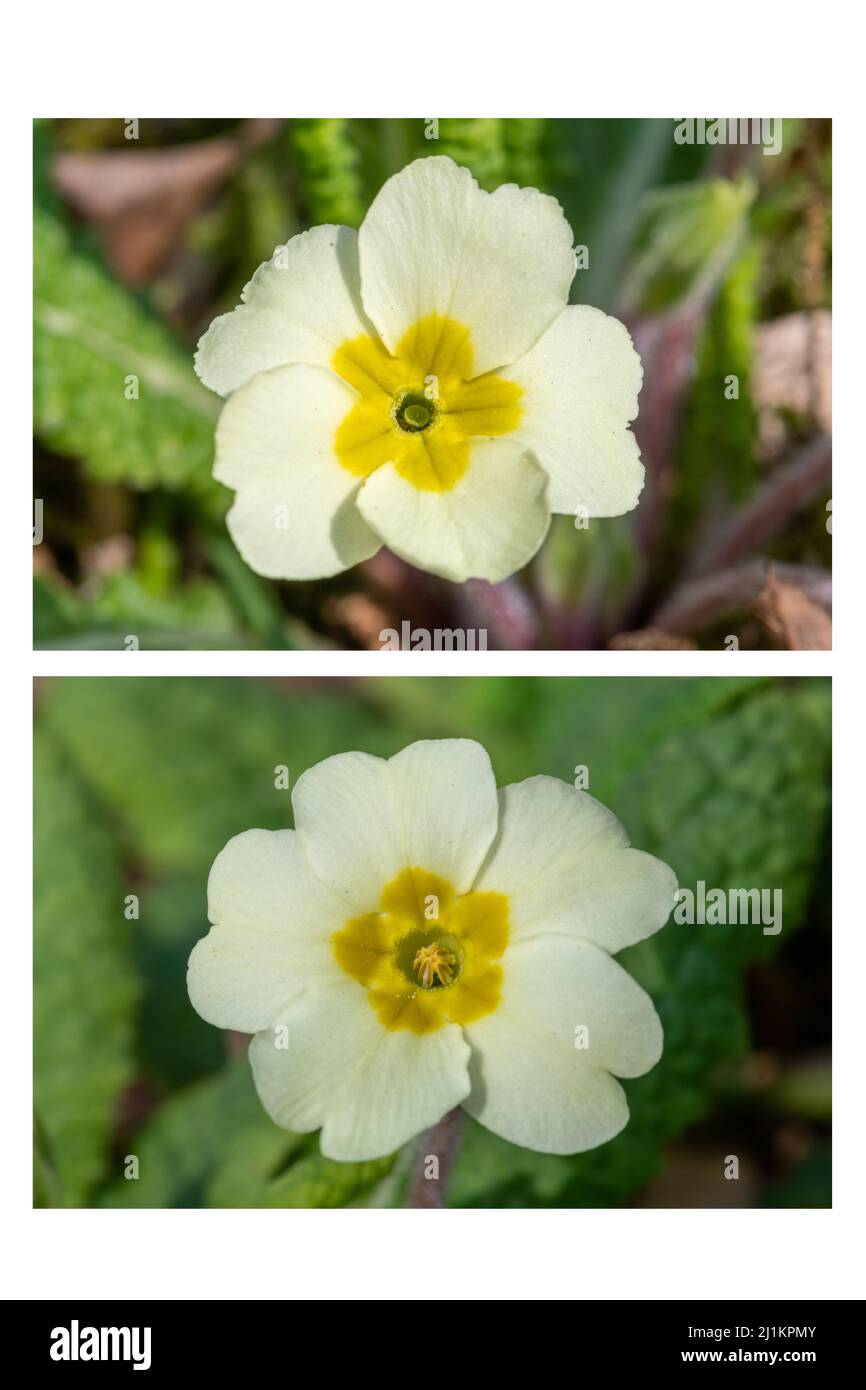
point(434, 962)
point(389, 952)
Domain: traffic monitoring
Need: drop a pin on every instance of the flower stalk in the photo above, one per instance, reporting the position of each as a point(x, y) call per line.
point(441, 1142)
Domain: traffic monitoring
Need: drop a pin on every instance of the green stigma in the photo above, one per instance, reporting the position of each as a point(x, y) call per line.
point(414, 412)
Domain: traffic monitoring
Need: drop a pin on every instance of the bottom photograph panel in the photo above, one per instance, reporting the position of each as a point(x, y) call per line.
point(432, 942)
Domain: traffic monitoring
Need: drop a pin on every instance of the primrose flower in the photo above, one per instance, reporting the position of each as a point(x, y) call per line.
point(421, 384)
point(419, 942)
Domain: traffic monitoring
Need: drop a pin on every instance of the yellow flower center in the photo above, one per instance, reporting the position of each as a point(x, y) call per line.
point(420, 408)
point(428, 956)
point(434, 963)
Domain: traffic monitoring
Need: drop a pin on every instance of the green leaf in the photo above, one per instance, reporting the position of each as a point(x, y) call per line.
point(84, 988)
point(491, 1172)
point(604, 169)
point(174, 1045)
point(328, 167)
point(90, 336)
point(686, 239)
point(248, 1161)
point(315, 1181)
point(810, 1185)
point(212, 1144)
point(45, 193)
point(192, 1136)
point(495, 150)
point(593, 572)
point(740, 803)
point(717, 451)
point(547, 724)
point(195, 616)
point(253, 599)
point(47, 1189)
point(58, 611)
point(527, 151)
point(478, 145)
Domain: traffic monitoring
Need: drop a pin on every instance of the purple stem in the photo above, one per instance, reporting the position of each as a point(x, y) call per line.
point(441, 1142)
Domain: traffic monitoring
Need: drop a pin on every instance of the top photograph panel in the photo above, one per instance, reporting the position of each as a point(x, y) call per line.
point(493, 384)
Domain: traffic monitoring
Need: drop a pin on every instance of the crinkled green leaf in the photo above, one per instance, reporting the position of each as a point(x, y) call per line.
point(90, 335)
point(740, 803)
point(84, 987)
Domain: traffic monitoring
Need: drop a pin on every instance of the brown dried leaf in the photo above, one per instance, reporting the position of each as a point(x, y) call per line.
point(650, 639)
point(793, 366)
point(360, 616)
point(142, 200)
point(793, 619)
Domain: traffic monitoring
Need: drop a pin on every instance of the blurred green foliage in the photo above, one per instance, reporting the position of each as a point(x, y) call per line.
point(684, 238)
point(200, 615)
point(328, 169)
point(140, 782)
point(717, 463)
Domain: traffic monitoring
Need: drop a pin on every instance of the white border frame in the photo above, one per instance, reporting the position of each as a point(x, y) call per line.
point(552, 60)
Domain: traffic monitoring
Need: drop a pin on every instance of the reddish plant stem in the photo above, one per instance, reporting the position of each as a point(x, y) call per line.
point(441, 1142)
point(706, 599)
point(792, 488)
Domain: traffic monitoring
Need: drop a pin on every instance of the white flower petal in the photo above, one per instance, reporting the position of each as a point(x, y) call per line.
point(295, 516)
point(299, 307)
point(281, 421)
point(500, 263)
point(270, 939)
point(487, 526)
point(369, 1088)
point(362, 820)
point(581, 381)
point(563, 860)
point(531, 1084)
point(328, 538)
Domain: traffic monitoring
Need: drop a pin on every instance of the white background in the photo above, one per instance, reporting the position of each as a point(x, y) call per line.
point(435, 60)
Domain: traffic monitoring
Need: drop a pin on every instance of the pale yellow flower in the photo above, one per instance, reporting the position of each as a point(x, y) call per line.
point(420, 942)
point(421, 384)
